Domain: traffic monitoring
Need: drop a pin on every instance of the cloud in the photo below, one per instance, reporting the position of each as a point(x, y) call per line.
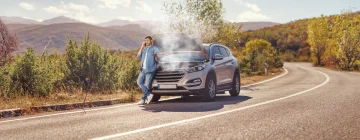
point(142, 6)
point(77, 7)
point(76, 11)
point(126, 18)
point(252, 16)
point(251, 6)
point(53, 9)
point(113, 4)
point(27, 6)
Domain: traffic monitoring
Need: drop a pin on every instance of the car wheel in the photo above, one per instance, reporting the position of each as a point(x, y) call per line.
point(210, 89)
point(235, 91)
point(155, 98)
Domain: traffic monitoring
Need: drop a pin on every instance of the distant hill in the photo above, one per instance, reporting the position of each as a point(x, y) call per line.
point(18, 20)
point(60, 19)
point(19, 26)
point(116, 37)
point(55, 20)
point(115, 22)
point(246, 26)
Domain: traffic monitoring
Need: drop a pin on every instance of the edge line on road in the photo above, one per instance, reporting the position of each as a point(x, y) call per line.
point(216, 114)
point(123, 105)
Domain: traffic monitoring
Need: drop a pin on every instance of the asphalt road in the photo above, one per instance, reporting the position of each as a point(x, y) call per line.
point(303, 103)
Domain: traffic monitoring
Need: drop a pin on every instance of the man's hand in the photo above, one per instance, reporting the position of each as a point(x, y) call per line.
point(156, 57)
point(141, 48)
point(143, 45)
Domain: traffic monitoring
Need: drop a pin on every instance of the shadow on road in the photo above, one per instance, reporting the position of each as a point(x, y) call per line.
point(194, 104)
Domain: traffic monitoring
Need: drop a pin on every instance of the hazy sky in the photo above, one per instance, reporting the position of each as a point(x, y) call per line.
point(97, 11)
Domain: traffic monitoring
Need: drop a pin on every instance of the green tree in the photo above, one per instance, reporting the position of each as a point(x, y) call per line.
point(318, 36)
point(29, 76)
point(346, 31)
point(229, 35)
point(198, 18)
point(259, 54)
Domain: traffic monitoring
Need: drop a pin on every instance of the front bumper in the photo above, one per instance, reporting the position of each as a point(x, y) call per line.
point(183, 85)
point(177, 92)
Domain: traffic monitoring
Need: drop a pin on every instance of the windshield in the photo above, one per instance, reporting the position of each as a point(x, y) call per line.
point(183, 57)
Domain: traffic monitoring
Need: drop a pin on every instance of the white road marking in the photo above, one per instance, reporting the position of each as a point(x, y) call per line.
point(216, 114)
point(80, 111)
point(357, 73)
point(286, 72)
point(118, 106)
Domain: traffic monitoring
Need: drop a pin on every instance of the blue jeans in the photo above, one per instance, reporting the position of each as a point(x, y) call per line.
point(145, 82)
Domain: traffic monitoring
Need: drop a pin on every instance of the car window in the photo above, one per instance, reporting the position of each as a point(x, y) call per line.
point(223, 52)
point(215, 50)
point(207, 50)
point(228, 52)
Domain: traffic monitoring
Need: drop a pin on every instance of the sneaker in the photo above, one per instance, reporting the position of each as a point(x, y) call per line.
point(142, 102)
point(149, 98)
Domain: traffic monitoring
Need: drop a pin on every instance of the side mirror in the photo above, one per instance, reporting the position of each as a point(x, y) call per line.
point(218, 57)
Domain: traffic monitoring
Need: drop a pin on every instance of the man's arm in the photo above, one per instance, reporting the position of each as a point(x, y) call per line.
point(140, 50)
point(156, 52)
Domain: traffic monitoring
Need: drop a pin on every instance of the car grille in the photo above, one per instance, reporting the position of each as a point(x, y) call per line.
point(169, 76)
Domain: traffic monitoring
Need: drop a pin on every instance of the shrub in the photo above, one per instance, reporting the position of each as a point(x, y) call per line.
point(29, 77)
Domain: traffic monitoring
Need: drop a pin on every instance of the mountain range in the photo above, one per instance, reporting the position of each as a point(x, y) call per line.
point(115, 34)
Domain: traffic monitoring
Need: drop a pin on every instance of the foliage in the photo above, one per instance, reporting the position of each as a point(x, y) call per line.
point(259, 54)
point(29, 77)
point(83, 67)
point(346, 28)
point(8, 43)
point(229, 35)
point(198, 18)
point(318, 36)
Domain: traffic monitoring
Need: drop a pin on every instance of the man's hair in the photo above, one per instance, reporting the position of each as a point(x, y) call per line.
point(149, 37)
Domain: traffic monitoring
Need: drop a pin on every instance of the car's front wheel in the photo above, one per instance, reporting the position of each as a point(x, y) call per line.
point(155, 98)
point(210, 89)
point(235, 91)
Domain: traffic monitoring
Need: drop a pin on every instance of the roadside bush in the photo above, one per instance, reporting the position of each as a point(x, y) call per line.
point(129, 74)
point(289, 56)
point(357, 65)
point(91, 68)
point(5, 79)
point(258, 55)
point(29, 77)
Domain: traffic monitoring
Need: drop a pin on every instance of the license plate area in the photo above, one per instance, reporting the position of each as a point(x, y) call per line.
point(167, 86)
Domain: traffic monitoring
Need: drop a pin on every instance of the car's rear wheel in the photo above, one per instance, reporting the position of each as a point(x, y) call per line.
point(155, 98)
point(210, 89)
point(235, 91)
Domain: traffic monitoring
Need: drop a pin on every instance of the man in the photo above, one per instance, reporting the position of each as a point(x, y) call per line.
point(148, 54)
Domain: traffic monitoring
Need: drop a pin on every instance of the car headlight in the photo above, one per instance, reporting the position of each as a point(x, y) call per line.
point(195, 69)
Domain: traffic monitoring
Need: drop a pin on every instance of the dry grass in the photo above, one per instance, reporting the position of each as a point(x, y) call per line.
point(26, 102)
point(64, 98)
point(257, 78)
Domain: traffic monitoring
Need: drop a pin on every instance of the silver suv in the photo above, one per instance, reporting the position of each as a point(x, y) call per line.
point(187, 67)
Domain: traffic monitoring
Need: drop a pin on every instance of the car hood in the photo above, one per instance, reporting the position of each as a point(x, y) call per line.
point(180, 60)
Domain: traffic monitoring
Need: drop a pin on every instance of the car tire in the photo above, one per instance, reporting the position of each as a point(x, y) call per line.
point(235, 91)
point(210, 89)
point(155, 98)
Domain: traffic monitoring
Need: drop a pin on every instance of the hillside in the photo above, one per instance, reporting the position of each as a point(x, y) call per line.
point(18, 20)
point(291, 36)
point(60, 19)
point(246, 26)
point(123, 38)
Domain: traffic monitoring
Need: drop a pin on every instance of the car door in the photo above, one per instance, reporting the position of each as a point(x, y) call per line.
point(227, 64)
point(218, 65)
